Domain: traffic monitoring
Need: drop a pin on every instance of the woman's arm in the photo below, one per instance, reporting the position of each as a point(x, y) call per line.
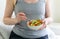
point(48, 17)
point(8, 13)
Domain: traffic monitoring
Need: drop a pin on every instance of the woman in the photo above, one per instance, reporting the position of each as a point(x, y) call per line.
point(24, 10)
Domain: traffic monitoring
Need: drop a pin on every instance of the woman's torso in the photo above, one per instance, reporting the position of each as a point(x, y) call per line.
point(32, 11)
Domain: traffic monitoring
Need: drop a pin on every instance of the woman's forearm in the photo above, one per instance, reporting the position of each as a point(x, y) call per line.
point(49, 20)
point(10, 21)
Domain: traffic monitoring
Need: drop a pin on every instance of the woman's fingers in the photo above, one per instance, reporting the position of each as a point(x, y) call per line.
point(23, 17)
point(21, 14)
point(43, 25)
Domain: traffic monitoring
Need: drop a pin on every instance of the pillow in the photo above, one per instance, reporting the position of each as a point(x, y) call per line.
point(1, 36)
point(5, 30)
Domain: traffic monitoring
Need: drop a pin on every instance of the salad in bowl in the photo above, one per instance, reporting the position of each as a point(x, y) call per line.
point(35, 24)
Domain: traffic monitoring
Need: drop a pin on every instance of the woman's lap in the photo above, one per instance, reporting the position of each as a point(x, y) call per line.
point(14, 36)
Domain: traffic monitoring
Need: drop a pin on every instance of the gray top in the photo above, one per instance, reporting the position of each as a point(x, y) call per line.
point(32, 11)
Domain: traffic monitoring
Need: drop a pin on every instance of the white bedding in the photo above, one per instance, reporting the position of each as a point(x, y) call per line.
point(5, 30)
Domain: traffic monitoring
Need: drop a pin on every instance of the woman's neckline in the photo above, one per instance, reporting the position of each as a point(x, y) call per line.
point(31, 3)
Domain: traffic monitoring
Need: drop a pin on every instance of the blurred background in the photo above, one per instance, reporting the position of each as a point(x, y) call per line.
point(55, 26)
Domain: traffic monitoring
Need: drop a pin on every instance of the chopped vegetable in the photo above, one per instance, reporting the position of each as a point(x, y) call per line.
point(35, 22)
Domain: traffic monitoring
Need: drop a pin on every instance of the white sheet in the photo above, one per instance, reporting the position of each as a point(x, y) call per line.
point(5, 30)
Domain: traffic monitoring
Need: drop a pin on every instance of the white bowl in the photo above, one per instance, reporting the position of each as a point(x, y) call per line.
point(34, 27)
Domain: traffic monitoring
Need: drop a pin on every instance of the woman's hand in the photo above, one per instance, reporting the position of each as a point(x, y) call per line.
point(44, 24)
point(20, 16)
